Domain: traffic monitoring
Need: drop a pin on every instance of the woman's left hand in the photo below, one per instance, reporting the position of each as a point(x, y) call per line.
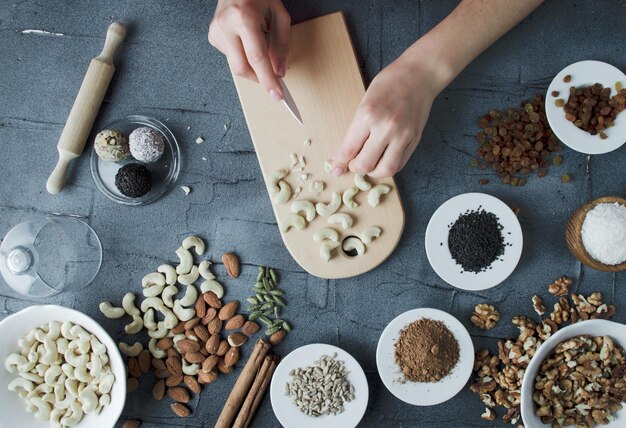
point(388, 123)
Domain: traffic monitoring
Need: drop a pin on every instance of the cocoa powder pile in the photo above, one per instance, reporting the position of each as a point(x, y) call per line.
point(426, 351)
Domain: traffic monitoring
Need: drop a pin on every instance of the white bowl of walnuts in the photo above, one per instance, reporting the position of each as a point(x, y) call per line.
point(578, 376)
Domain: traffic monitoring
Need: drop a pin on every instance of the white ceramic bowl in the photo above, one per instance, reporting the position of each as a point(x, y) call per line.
point(438, 251)
point(12, 408)
point(290, 416)
point(424, 393)
point(592, 327)
point(585, 73)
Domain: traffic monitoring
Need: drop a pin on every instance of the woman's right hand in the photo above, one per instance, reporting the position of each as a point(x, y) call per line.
point(254, 36)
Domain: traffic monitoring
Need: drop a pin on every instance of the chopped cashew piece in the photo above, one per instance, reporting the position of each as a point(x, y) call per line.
point(353, 243)
point(284, 193)
point(345, 220)
point(293, 220)
point(369, 234)
point(196, 243)
point(305, 206)
point(328, 167)
point(348, 197)
point(330, 208)
point(326, 248)
point(275, 178)
point(186, 261)
point(326, 234)
point(316, 186)
point(361, 182)
point(373, 197)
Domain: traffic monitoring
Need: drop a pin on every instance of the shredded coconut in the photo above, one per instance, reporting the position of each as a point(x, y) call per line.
point(604, 233)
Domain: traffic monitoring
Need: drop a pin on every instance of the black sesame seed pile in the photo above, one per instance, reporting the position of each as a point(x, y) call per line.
point(475, 240)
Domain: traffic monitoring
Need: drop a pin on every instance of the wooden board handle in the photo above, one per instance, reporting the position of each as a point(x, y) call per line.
point(87, 104)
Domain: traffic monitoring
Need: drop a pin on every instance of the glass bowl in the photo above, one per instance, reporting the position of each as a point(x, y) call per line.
point(164, 171)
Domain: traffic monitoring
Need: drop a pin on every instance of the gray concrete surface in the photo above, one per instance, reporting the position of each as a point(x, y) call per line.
point(168, 70)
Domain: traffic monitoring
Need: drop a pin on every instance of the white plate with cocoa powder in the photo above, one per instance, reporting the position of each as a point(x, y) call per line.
point(424, 393)
point(289, 415)
point(585, 73)
point(438, 250)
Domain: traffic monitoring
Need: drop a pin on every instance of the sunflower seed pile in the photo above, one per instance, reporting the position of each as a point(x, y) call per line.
point(268, 302)
point(321, 389)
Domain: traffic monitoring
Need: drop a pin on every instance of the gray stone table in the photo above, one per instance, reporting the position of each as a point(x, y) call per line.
point(166, 69)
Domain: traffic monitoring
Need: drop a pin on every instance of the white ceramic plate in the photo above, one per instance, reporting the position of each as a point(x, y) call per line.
point(585, 73)
point(12, 408)
point(288, 413)
point(592, 327)
point(439, 255)
point(424, 393)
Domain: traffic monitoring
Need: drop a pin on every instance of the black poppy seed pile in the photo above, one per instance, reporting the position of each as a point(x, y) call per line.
point(133, 180)
point(475, 240)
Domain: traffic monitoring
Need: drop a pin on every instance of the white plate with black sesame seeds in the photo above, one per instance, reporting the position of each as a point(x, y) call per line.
point(585, 73)
point(463, 270)
point(424, 393)
point(288, 413)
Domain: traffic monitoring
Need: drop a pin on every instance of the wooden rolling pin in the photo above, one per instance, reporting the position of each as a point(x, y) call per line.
point(86, 107)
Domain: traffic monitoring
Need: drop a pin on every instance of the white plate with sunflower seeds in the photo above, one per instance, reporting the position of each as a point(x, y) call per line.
point(424, 393)
point(438, 250)
point(585, 73)
point(592, 328)
point(286, 410)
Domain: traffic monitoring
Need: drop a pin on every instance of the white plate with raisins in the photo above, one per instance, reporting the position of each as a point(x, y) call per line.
point(588, 131)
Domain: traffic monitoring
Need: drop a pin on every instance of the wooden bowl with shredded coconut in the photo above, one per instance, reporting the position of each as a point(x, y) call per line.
point(574, 235)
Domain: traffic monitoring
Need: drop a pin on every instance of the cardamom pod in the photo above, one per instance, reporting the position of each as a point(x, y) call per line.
point(286, 326)
point(254, 315)
point(280, 301)
point(267, 312)
point(266, 284)
point(272, 330)
point(268, 298)
point(265, 320)
point(276, 311)
point(267, 306)
point(253, 308)
point(277, 292)
point(252, 301)
point(273, 275)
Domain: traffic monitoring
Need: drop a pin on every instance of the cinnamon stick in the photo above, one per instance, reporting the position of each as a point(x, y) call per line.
point(242, 386)
point(261, 393)
point(247, 412)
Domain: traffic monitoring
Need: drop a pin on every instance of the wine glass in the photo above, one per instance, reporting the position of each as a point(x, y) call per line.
point(41, 258)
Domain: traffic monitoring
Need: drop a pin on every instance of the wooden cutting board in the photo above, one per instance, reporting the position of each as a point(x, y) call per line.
point(325, 81)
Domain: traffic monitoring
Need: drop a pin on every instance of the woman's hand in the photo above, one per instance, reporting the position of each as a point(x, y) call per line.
point(254, 36)
point(388, 123)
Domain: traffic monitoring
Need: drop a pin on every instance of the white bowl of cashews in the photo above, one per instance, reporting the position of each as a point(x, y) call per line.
point(32, 367)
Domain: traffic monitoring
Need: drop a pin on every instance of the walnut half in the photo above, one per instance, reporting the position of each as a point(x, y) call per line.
point(485, 316)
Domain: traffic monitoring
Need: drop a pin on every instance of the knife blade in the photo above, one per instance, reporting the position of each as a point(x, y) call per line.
point(289, 102)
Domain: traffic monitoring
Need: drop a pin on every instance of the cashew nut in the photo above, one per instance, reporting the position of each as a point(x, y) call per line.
point(353, 243)
point(373, 197)
point(328, 166)
point(190, 369)
point(181, 313)
point(295, 221)
point(196, 243)
point(348, 197)
point(110, 311)
point(14, 361)
point(160, 332)
point(361, 182)
point(153, 290)
point(186, 261)
point(284, 193)
point(50, 376)
point(345, 220)
point(130, 351)
point(20, 383)
point(305, 206)
point(205, 270)
point(189, 278)
point(316, 186)
point(128, 303)
point(326, 234)
point(214, 286)
point(75, 415)
point(326, 248)
point(148, 319)
point(327, 209)
point(43, 408)
point(190, 297)
point(135, 326)
point(156, 353)
point(153, 278)
point(88, 399)
point(170, 273)
point(369, 234)
point(75, 360)
point(275, 178)
point(168, 293)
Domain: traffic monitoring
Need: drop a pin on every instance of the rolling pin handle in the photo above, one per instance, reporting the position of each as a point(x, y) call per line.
point(56, 181)
point(115, 36)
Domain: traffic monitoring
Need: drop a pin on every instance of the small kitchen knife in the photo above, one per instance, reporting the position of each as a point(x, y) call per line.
point(289, 102)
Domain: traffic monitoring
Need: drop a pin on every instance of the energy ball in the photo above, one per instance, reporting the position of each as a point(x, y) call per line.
point(111, 145)
point(133, 180)
point(146, 144)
